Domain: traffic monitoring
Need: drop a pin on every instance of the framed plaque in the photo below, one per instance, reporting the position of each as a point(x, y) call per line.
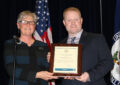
point(66, 59)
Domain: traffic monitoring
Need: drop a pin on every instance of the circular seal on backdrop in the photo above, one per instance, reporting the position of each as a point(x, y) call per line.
point(116, 57)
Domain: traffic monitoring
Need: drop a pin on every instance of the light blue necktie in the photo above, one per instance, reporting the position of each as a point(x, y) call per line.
point(72, 40)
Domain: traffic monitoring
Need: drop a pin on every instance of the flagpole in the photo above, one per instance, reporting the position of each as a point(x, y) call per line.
point(101, 23)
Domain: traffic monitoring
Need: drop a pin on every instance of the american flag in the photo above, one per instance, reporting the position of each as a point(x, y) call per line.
point(43, 30)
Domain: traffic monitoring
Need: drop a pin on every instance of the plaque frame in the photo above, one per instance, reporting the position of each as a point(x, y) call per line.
point(79, 64)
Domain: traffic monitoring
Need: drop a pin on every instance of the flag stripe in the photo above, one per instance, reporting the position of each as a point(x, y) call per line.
point(49, 33)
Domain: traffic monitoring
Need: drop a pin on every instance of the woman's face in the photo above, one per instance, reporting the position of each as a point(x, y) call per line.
point(26, 26)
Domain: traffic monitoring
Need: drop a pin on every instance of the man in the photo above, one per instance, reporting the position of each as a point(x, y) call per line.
point(96, 58)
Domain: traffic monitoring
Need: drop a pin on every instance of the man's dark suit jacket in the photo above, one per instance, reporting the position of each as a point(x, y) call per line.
point(96, 60)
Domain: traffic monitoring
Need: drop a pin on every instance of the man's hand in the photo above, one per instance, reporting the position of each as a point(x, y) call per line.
point(48, 56)
point(84, 77)
point(45, 75)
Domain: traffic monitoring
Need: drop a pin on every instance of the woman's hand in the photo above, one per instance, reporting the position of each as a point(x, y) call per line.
point(45, 75)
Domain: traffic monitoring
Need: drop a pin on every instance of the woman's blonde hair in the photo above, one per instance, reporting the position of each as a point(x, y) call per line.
point(24, 14)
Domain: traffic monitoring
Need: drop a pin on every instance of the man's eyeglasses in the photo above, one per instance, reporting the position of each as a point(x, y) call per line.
point(27, 22)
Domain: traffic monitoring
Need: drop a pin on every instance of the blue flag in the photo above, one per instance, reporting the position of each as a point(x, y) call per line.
point(115, 73)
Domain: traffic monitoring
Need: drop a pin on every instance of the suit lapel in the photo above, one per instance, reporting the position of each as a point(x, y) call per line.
point(83, 38)
point(64, 41)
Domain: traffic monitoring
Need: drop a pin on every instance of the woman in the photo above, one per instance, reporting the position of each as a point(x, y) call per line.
point(30, 55)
